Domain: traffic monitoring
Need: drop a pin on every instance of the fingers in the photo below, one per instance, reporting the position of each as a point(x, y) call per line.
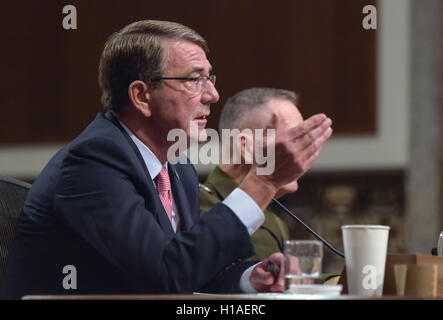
point(312, 158)
point(308, 137)
point(294, 266)
point(313, 135)
point(262, 277)
point(308, 125)
point(274, 269)
point(278, 285)
point(308, 147)
point(312, 151)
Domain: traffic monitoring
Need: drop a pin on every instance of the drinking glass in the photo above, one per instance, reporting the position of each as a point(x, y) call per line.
point(303, 263)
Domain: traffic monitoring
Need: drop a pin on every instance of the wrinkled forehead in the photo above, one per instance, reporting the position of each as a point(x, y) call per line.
point(257, 118)
point(185, 57)
point(287, 114)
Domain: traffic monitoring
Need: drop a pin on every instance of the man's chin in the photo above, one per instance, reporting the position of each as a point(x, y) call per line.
point(280, 194)
point(284, 191)
point(200, 137)
point(197, 132)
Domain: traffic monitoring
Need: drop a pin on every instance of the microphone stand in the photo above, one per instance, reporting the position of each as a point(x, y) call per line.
point(327, 244)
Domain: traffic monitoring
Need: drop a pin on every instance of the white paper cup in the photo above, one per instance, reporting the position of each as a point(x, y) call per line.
point(365, 251)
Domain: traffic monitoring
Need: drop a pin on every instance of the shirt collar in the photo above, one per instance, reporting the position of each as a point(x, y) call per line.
point(152, 162)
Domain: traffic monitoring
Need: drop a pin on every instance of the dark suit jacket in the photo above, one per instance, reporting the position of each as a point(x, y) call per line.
point(271, 235)
point(95, 207)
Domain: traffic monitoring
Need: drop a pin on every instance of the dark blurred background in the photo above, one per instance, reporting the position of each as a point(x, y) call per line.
point(317, 48)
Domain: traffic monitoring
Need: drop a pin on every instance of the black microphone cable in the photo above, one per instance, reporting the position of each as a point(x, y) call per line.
point(327, 244)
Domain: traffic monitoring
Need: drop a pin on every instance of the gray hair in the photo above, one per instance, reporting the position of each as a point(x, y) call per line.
point(137, 52)
point(243, 103)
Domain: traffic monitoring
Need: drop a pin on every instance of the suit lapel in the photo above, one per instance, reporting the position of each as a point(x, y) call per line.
point(180, 199)
point(155, 206)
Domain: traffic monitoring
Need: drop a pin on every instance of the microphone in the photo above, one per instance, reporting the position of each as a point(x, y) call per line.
point(327, 244)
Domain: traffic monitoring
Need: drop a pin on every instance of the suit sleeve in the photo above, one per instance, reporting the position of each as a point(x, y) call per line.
point(102, 203)
point(228, 280)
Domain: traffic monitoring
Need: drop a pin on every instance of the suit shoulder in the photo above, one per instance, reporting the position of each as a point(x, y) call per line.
point(102, 141)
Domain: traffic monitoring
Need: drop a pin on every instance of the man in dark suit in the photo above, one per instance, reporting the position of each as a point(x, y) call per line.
point(109, 210)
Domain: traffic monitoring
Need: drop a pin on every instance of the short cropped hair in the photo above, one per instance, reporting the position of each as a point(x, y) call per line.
point(239, 106)
point(137, 52)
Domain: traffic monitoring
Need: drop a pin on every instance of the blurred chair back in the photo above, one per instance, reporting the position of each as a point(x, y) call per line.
point(12, 198)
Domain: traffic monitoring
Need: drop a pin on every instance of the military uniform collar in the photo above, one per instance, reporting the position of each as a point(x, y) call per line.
point(221, 182)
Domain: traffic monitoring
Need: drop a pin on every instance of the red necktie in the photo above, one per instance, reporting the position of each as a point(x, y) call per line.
point(164, 191)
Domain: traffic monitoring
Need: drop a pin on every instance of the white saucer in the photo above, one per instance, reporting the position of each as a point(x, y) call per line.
point(318, 289)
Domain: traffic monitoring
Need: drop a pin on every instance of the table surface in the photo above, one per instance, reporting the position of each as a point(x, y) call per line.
point(201, 296)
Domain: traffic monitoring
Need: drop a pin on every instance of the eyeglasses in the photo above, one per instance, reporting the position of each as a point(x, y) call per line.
point(200, 82)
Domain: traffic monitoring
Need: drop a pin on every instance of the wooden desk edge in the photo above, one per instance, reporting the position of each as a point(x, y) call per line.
point(271, 297)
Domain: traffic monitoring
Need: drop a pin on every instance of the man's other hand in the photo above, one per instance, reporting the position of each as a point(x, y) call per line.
point(263, 280)
point(295, 152)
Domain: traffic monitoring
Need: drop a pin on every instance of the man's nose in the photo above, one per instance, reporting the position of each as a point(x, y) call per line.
point(210, 93)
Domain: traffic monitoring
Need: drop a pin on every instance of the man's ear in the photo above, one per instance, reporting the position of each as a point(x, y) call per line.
point(273, 122)
point(246, 148)
point(139, 96)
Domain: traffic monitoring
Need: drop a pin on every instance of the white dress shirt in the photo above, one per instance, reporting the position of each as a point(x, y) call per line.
point(238, 201)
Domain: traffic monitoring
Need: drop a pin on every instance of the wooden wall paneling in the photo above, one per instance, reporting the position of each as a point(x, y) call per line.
point(31, 72)
point(318, 49)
